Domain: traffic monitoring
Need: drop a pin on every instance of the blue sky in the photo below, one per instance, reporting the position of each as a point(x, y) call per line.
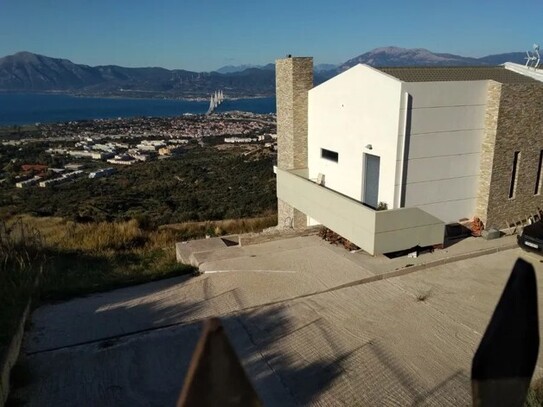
point(204, 35)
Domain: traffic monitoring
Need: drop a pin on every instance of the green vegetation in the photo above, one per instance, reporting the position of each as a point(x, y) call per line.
point(93, 235)
point(202, 184)
point(18, 131)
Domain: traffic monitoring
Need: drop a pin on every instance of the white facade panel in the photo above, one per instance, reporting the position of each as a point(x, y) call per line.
point(442, 168)
point(454, 189)
point(356, 109)
point(447, 119)
point(444, 144)
point(445, 137)
point(439, 94)
point(451, 211)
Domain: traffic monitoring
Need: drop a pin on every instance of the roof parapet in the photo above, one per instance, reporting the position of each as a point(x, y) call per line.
point(530, 72)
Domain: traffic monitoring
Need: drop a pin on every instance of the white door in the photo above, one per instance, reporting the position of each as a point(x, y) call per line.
point(370, 194)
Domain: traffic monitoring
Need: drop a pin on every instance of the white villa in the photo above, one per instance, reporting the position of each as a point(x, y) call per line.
point(432, 146)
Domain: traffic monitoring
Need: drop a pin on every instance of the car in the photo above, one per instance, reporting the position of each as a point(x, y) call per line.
point(531, 238)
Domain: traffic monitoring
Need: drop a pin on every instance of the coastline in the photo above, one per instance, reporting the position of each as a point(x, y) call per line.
point(132, 97)
point(30, 108)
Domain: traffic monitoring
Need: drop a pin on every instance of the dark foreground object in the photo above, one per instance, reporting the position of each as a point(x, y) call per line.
point(531, 238)
point(505, 360)
point(215, 376)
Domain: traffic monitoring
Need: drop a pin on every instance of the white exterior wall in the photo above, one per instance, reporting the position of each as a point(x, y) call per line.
point(444, 146)
point(358, 107)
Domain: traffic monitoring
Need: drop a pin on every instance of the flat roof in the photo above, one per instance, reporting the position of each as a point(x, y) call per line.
point(456, 73)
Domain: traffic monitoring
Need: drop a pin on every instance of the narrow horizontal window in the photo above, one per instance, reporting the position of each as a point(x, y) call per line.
point(329, 155)
point(538, 175)
point(514, 172)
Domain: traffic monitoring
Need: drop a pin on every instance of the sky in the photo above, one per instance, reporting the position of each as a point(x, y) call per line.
point(203, 35)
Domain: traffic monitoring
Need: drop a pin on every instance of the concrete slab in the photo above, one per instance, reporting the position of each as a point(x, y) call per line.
point(138, 370)
point(466, 248)
point(184, 250)
point(301, 341)
point(240, 252)
point(271, 272)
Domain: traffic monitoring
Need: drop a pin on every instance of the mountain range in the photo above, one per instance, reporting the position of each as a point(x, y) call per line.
point(28, 72)
point(239, 68)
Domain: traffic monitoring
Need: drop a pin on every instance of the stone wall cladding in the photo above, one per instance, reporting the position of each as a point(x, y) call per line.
point(487, 148)
point(294, 78)
point(519, 128)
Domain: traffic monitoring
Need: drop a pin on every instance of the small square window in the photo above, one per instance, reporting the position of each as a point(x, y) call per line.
point(329, 155)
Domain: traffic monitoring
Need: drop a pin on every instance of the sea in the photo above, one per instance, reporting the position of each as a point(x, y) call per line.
point(32, 108)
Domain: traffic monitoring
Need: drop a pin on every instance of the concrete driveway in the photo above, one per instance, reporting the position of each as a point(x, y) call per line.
point(405, 340)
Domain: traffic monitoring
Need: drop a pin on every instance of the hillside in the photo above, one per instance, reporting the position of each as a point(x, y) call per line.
point(29, 72)
point(394, 56)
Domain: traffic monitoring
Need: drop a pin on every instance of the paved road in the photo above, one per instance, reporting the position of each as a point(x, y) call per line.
point(301, 341)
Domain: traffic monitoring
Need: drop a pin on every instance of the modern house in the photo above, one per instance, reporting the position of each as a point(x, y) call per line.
point(431, 146)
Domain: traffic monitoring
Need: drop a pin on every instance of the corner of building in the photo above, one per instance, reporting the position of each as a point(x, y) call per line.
point(294, 78)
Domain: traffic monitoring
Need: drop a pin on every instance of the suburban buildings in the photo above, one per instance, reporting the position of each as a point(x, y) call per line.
point(104, 172)
point(432, 146)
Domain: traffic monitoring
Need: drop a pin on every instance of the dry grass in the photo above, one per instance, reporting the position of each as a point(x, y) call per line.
point(192, 230)
point(103, 238)
point(21, 260)
point(89, 257)
point(81, 258)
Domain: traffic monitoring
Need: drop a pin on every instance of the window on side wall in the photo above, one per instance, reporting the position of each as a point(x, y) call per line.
point(538, 175)
point(329, 155)
point(514, 175)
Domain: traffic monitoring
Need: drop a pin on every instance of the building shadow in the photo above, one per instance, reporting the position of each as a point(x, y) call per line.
point(455, 233)
point(292, 355)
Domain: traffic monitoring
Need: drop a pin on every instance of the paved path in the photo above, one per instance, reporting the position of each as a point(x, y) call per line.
point(301, 341)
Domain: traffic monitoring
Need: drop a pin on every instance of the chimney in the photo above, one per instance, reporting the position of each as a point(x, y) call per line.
point(293, 79)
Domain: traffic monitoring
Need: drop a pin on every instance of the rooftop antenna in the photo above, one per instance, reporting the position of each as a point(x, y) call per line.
point(533, 59)
point(536, 54)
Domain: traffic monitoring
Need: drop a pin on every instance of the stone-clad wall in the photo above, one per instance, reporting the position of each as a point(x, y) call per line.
point(294, 78)
point(519, 127)
point(487, 149)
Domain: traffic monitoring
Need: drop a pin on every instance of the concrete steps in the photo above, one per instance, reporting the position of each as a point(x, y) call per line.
point(198, 252)
point(192, 251)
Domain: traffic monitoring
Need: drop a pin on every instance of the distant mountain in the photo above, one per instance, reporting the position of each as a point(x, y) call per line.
point(324, 67)
point(498, 59)
point(395, 56)
point(240, 68)
point(235, 68)
point(29, 72)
